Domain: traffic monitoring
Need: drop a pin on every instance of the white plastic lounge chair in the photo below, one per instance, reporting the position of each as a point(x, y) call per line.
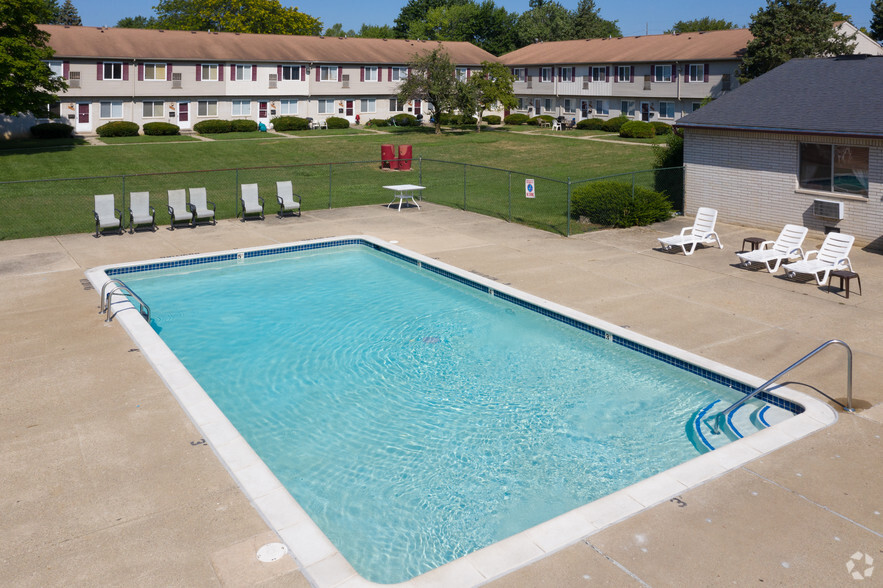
point(199, 206)
point(251, 202)
point(832, 255)
point(788, 244)
point(702, 232)
point(106, 215)
point(179, 212)
point(286, 199)
point(140, 211)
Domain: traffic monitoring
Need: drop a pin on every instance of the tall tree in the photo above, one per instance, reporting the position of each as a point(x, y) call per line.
point(26, 82)
point(706, 23)
point(432, 80)
point(446, 23)
point(588, 24)
point(337, 31)
point(50, 12)
point(137, 22)
point(415, 11)
point(877, 20)
point(545, 20)
point(786, 29)
point(489, 87)
point(69, 15)
point(235, 16)
point(494, 29)
point(376, 32)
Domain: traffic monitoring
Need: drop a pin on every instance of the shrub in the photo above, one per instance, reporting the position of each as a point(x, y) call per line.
point(406, 120)
point(51, 130)
point(463, 119)
point(492, 119)
point(516, 119)
point(335, 122)
point(611, 204)
point(377, 122)
point(290, 123)
point(160, 128)
point(614, 124)
point(670, 181)
point(536, 120)
point(118, 128)
point(208, 127)
point(592, 124)
point(661, 128)
point(637, 129)
point(240, 125)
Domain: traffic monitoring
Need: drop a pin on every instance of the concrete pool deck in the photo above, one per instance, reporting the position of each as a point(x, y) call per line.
point(106, 481)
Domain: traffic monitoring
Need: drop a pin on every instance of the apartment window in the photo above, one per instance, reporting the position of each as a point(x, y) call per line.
point(111, 110)
point(624, 73)
point(547, 105)
point(242, 73)
point(566, 74)
point(546, 74)
point(326, 106)
point(57, 68)
point(627, 108)
point(241, 107)
point(369, 105)
point(328, 73)
point(398, 74)
point(152, 109)
point(568, 105)
point(521, 104)
point(841, 169)
point(395, 105)
point(52, 110)
point(518, 72)
point(461, 74)
point(601, 107)
point(288, 106)
point(696, 106)
point(208, 72)
point(371, 73)
point(290, 72)
point(697, 72)
point(666, 110)
point(207, 108)
point(112, 70)
point(663, 73)
point(153, 72)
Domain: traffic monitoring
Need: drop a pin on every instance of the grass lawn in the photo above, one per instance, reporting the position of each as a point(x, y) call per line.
point(327, 170)
point(146, 139)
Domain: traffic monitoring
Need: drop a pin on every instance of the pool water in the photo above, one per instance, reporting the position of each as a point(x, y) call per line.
point(416, 419)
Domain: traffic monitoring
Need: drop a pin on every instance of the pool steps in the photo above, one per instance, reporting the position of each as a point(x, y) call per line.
point(745, 420)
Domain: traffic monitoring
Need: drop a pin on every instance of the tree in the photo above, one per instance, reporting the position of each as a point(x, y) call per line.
point(494, 29)
point(706, 23)
point(69, 15)
point(376, 32)
point(27, 84)
point(545, 20)
point(432, 80)
point(787, 29)
point(488, 87)
point(50, 12)
point(588, 24)
point(877, 20)
point(415, 11)
point(137, 22)
point(446, 23)
point(337, 31)
point(235, 16)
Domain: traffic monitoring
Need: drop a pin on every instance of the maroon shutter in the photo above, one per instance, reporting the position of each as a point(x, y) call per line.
point(687, 73)
point(572, 74)
point(362, 74)
point(140, 72)
point(168, 71)
point(615, 74)
point(254, 72)
point(339, 74)
point(232, 72)
point(279, 73)
point(389, 71)
point(674, 72)
point(125, 72)
point(468, 72)
point(379, 74)
point(607, 74)
point(220, 72)
point(631, 73)
point(318, 69)
point(652, 73)
point(303, 73)
point(198, 72)
point(65, 69)
point(705, 72)
point(99, 75)
point(409, 72)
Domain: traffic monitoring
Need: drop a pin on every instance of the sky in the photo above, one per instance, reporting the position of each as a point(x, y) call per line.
point(636, 17)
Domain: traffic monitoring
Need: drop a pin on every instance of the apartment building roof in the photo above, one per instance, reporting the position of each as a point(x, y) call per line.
point(71, 42)
point(833, 96)
point(707, 46)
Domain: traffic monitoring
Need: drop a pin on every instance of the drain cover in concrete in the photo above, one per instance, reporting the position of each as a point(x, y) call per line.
point(272, 552)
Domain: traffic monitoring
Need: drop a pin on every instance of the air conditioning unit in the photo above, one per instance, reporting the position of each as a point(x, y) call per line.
point(585, 83)
point(273, 80)
point(176, 80)
point(74, 80)
point(346, 81)
point(828, 209)
point(530, 81)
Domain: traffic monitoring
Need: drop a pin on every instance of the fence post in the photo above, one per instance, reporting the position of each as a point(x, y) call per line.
point(330, 165)
point(236, 193)
point(633, 185)
point(568, 207)
point(464, 186)
point(509, 174)
point(420, 170)
point(124, 208)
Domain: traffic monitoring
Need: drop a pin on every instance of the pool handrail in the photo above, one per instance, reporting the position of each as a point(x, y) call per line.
point(119, 287)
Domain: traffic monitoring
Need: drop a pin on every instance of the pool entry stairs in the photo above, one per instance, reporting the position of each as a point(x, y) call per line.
point(745, 420)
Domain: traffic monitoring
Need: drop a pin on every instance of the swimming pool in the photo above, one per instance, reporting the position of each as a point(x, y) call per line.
point(569, 523)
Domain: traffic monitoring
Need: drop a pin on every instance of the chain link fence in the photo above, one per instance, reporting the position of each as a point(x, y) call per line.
point(33, 208)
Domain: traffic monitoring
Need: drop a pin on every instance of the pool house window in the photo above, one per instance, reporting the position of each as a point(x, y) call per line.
point(840, 169)
point(288, 106)
point(207, 108)
point(152, 109)
point(113, 109)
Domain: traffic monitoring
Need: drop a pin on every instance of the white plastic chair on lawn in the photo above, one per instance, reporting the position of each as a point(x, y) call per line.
point(788, 245)
point(251, 202)
point(286, 199)
point(702, 232)
point(179, 212)
point(107, 216)
point(832, 255)
point(199, 206)
point(140, 211)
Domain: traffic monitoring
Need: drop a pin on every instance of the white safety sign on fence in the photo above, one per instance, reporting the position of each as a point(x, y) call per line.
point(529, 189)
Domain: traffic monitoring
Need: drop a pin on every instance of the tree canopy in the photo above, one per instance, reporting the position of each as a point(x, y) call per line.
point(706, 23)
point(376, 32)
point(68, 15)
point(235, 16)
point(588, 24)
point(486, 88)
point(787, 29)
point(27, 84)
point(336, 30)
point(137, 22)
point(432, 80)
point(876, 31)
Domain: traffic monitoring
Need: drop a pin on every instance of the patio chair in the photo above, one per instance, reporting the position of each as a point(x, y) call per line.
point(140, 211)
point(788, 244)
point(179, 212)
point(199, 206)
point(251, 202)
point(832, 255)
point(286, 199)
point(702, 232)
point(107, 216)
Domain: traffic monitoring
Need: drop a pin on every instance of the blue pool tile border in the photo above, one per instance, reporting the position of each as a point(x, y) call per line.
point(585, 327)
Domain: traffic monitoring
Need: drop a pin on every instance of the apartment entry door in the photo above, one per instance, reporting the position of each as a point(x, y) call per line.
point(349, 109)
point(262, 113)
point(645, 111)
point(184, 115)
point(84, 124)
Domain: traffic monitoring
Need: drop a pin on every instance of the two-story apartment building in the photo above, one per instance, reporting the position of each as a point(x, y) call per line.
point(655, 77)
point(187, 76)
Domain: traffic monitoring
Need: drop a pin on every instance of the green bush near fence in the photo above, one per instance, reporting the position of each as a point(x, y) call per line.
point(614, 124)
point(161, 128)
point(335, 122)
point(244, 126)
point(591, 124)
point(377, 122)
point(290, 123)
point(516, 119)
point(405, 120)
point(52, 130)
point(119, 128)
point(213, 126)
point(636, 129)
point(618, 204)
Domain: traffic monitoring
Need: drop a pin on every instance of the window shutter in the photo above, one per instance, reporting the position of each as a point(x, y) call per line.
point(339, 74)
point(140, 72)
point(615, 74)
point(573, 74)
point(303, 73)
point(318, 70)
point(631, 73)
point(362, 74)
point(125, 72)
point(674, 72)
point(687, 73)
point(607, 74)
point(553, 74)
point(99, 75)
point(409, 72)
point(65, 69)
point(389, 71)
point(705, 72)
point(168, 71)
point(279, 73)
point(198, 72)
point(653, 73)
point(232, 71)
point(379, 74)
point(220, 72)
point(468, 72)
point(254, 72)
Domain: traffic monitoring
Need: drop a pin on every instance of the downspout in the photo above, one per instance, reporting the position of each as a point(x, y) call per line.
point(134, 77)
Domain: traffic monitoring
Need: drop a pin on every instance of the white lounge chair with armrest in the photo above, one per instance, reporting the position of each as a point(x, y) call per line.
point(140, 211)
point(179, 212)
point(251, 202)
point(788, 245)
point(832, 255)
point(199, 206)
point(286, 199)
point(107, 216)
point(702, 232)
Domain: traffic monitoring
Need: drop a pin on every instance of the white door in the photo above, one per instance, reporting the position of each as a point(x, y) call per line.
point(184, 115)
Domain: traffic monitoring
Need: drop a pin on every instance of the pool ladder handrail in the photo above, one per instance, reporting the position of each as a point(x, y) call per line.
point(119, 287)
point(721, 416)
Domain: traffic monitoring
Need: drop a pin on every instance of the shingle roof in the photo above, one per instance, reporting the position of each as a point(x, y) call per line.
point(112, 43)
point(837, 95)
point(709, 46)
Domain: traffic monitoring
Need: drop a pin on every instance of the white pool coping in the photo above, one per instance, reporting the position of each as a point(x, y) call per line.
point(320, 561)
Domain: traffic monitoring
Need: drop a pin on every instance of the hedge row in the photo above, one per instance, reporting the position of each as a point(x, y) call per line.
point(52, 130)
point(207, 127)
point(118, 128)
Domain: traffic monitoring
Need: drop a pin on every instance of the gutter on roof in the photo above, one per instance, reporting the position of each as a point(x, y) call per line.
point(776, 130)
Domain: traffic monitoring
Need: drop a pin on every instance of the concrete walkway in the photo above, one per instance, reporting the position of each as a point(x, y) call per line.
point(106, 482)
